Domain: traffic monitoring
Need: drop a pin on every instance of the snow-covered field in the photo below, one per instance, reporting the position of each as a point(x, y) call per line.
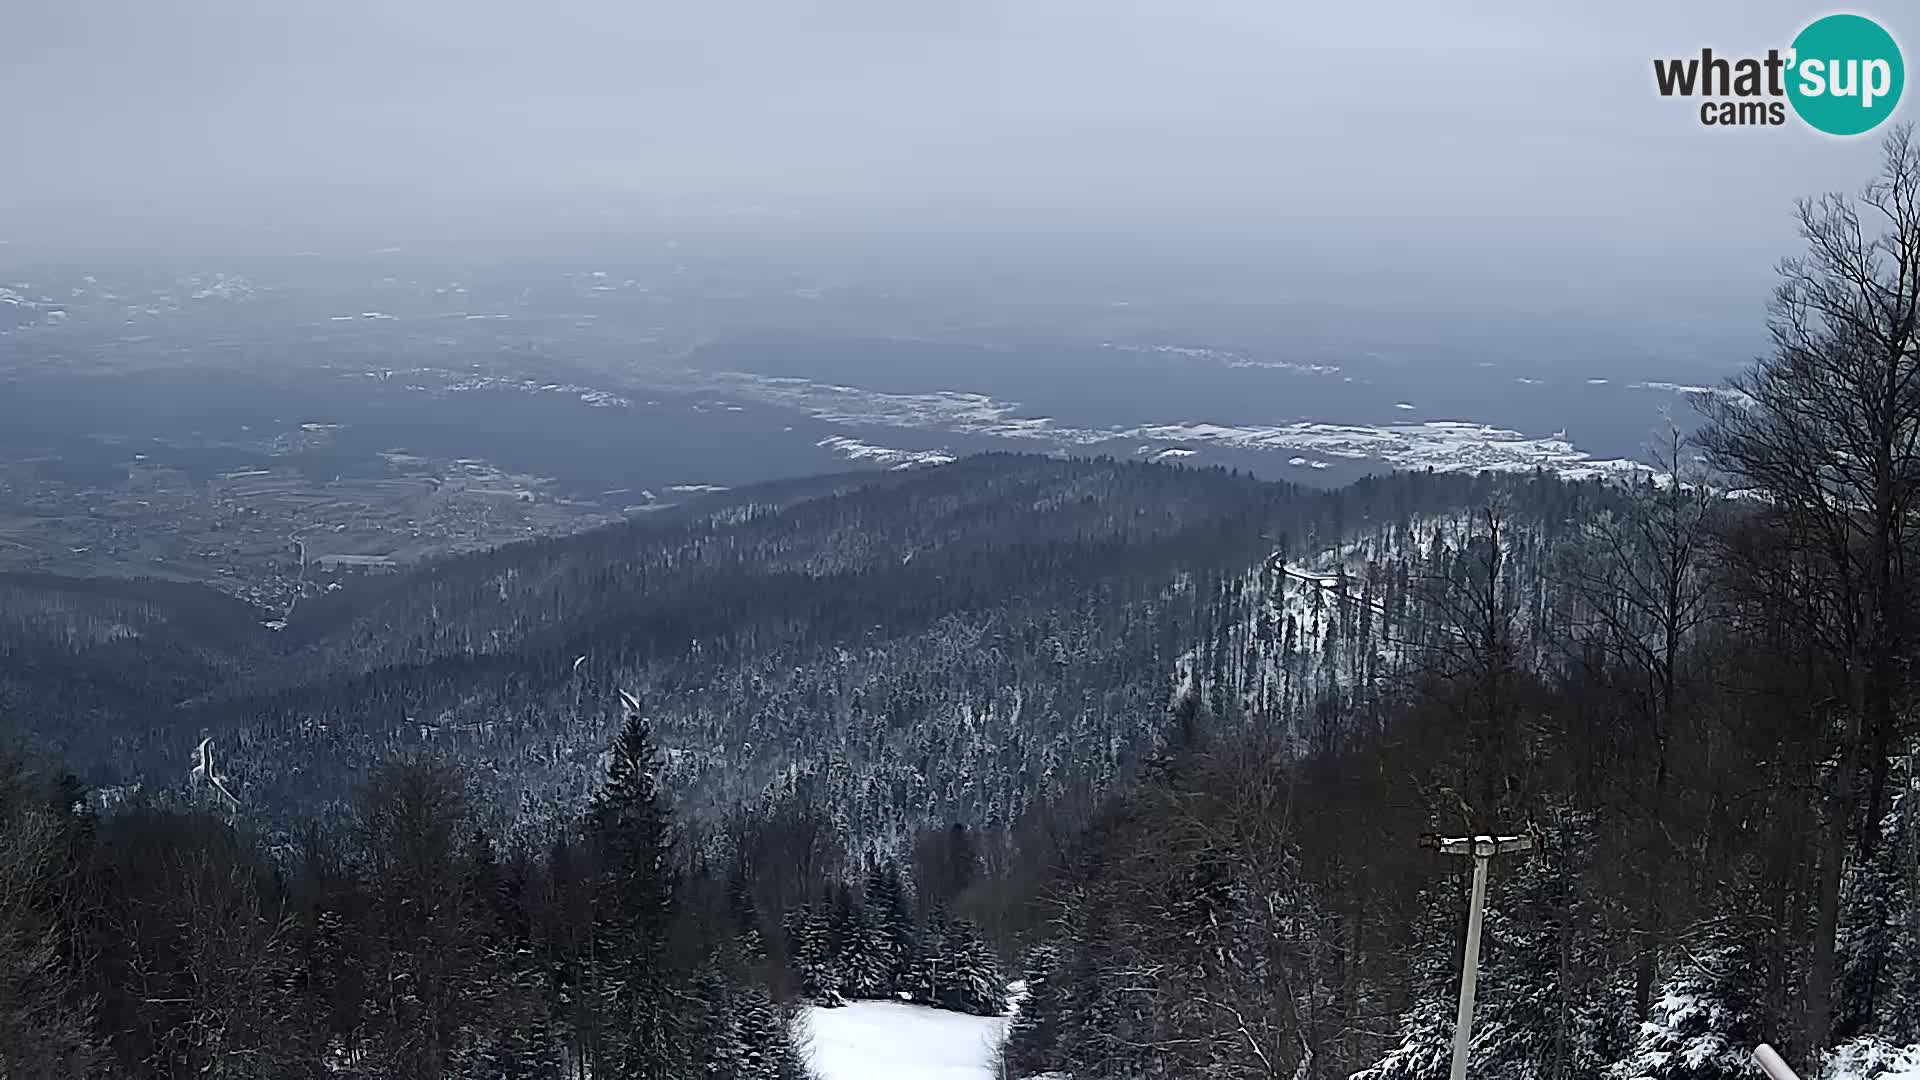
point(887, 1040)
point(855, 450)
point(1448, 445)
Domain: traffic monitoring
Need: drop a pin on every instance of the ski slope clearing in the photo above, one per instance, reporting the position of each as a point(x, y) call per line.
point(888, 1040)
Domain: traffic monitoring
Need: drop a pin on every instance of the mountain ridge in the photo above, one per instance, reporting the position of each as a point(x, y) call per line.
point(971, 641)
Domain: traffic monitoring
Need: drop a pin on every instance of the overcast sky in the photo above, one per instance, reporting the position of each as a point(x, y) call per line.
point(1406, 131)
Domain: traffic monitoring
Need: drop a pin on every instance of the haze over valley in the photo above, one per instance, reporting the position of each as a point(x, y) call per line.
point(915, 540)
point(209, 419)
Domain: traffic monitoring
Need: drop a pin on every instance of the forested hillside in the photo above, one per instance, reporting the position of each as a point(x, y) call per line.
point(866, 700)
point(967, 643)
point(1160, 741)
point(883, 712)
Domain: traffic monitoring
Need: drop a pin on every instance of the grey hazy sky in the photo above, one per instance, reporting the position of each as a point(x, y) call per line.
point(1391, 131)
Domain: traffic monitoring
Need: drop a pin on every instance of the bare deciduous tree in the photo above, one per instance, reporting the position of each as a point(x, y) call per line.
point(1640, 577)
point(43, 1024)
point(1824, 432)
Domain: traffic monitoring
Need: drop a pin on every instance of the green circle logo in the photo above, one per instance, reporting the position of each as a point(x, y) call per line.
point(1846, 75)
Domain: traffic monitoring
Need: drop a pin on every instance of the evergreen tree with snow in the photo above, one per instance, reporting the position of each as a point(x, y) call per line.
point(1879, 991)
point(1707, 1018)
point(1551, 1003)
point(1425, 1049)
point(890, 912)
point(513, 1038)
point(764, 1033)
point(634, 912)
point(865, 956)
point(967, 978)
point(810, 940)
point(926, 974)
point(1033, 1042)
point(714, 1022)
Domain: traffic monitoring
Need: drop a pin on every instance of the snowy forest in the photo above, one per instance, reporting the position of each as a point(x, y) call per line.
point(1158, 742)
point(403, 942)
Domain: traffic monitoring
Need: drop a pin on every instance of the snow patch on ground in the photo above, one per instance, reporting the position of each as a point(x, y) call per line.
point(886, 1040)
point(1736, 396)
point(1448, 445)
point(855, 450)
point(219, 287)
point(593, 396)
point(1871, 1058)
point(1227, 357)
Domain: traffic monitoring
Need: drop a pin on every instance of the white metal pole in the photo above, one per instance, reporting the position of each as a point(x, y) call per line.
point(1770, 1063)
point(1470, 967)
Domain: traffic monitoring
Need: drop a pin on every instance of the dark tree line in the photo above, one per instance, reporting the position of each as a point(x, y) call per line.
point(172, 941)
point(885, 940)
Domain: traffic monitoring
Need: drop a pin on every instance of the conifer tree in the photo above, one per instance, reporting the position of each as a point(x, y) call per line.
point(1425, 1049)
point(891, 914)
point(714, 1029)
point(1880, 940)
point(1033, 1043)
point(813, 959)
point(634, 911)
point(764, 1034)
point(971, 980)
point(1707, 1018)
point(865, 957)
